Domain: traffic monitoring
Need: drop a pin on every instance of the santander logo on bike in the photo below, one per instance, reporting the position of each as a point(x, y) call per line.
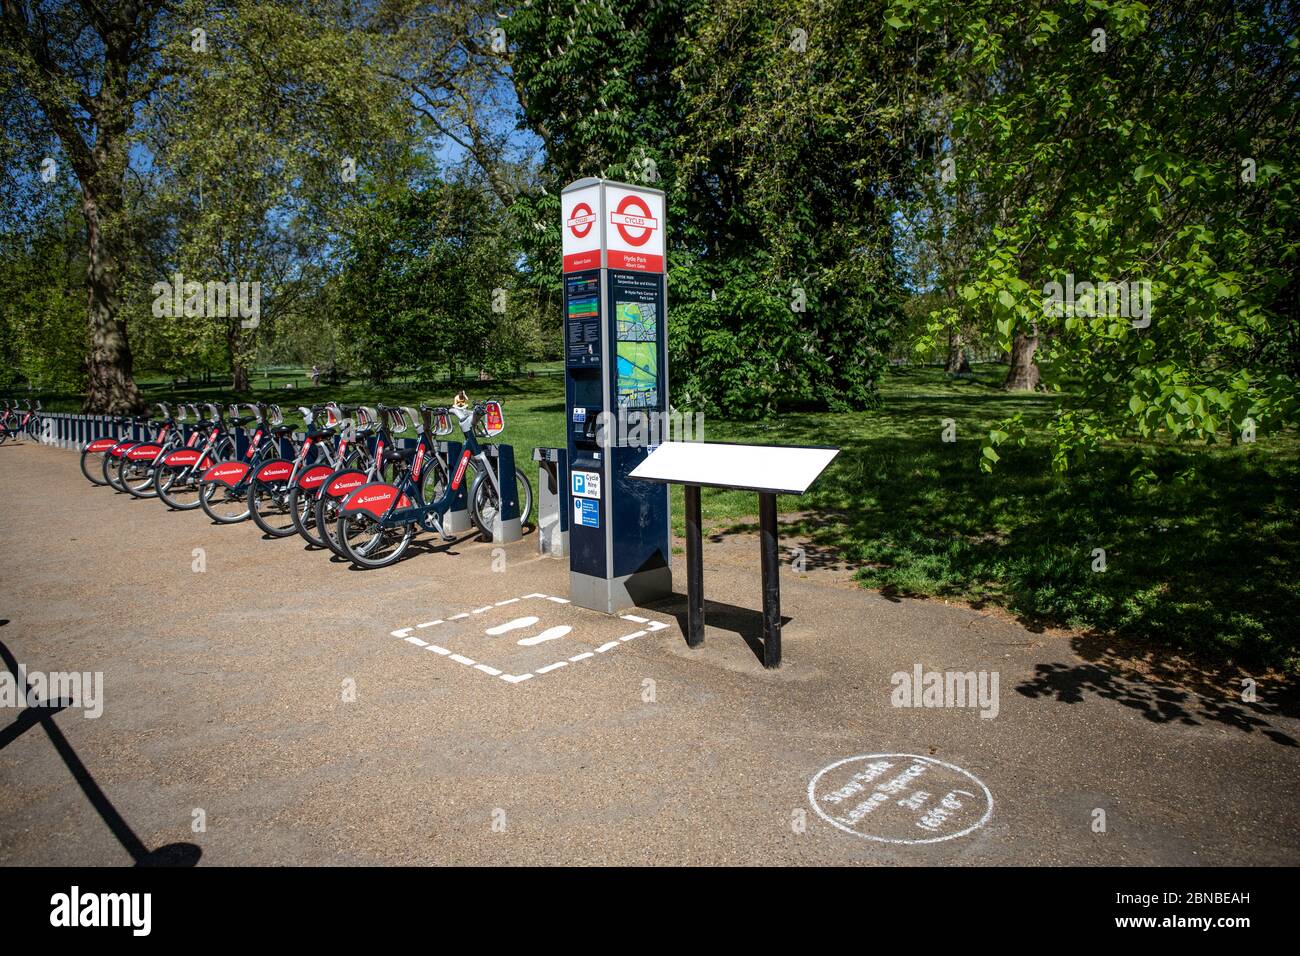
point(341, 485)
point(460, 470)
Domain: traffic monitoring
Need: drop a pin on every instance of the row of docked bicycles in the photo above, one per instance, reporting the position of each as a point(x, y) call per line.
point(342, 482)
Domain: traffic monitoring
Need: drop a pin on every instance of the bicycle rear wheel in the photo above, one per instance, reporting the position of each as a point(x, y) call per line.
point(368, 544)
point(92, 465)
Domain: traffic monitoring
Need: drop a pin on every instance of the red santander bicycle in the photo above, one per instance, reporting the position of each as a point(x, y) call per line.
point(223, 488)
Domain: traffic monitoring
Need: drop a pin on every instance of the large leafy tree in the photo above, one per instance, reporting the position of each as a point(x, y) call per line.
point(1147, 145)
point(767, 129)
point(75, 73)
point(425, 285)
point(211, 136)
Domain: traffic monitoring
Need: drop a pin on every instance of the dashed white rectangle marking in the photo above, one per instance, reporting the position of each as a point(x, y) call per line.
point(404, 634)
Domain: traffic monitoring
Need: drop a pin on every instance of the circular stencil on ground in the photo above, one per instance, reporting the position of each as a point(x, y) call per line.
point(900, 798)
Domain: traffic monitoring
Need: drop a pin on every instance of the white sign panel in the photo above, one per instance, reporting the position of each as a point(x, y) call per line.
point(775, 468)
point(580, 227)
point(634, 228)
point(586, 484)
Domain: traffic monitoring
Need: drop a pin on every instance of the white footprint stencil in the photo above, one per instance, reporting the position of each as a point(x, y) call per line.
point(514, 625)
point(550, 634)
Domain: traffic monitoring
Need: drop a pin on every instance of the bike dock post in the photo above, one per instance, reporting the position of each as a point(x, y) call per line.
point(552, 501)
point(506, 525)
point(456, 520)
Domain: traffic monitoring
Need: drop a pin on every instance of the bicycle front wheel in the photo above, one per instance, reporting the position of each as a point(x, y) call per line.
point(92, 465)
point(485, 504)
point(222, 504)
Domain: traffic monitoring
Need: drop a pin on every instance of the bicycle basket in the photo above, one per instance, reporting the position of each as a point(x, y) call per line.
point(441, 423)
point(494, 420)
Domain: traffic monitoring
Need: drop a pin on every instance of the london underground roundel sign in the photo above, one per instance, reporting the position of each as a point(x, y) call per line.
point(633, 220)
point(581, 220)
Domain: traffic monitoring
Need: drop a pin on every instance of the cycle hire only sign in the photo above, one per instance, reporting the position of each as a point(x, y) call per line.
point(586, 498)
point(586, 484)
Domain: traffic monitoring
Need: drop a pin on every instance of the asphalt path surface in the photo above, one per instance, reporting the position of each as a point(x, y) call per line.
point(263, 703)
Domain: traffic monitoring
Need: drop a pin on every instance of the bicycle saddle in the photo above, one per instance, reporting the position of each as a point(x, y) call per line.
point(282, 430)
point(399, 454)
point(241, 422)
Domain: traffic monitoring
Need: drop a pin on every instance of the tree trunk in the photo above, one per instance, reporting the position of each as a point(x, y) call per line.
point(111, 388)
point(1022, 376)
point(238, 367)
point(957, 363)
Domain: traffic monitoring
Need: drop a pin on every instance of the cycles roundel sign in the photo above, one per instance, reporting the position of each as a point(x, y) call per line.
point(633, 220)
point(612, 225)
point(581, 220)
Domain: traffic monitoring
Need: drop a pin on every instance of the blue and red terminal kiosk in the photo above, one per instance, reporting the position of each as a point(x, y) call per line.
point(616, 403)
point(616, 375)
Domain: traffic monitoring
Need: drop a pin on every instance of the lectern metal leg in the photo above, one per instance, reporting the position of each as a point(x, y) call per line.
point(694, 569)
point(771, 581)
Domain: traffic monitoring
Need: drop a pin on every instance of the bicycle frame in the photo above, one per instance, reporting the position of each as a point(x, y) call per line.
point(402, 502)
point(192, 459)
point(235, 474)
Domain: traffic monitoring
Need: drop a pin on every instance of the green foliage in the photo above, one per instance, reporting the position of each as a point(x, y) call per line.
point(418, 288)
point(1130, 164)
point(775, 158)
point(43, 338)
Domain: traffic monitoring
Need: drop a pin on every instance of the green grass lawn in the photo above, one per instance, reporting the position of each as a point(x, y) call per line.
point(1206, 561)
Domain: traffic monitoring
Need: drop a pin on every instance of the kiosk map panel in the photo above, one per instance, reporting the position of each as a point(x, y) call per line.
point(637, 299)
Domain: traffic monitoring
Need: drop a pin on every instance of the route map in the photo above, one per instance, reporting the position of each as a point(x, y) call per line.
point(635, 321)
